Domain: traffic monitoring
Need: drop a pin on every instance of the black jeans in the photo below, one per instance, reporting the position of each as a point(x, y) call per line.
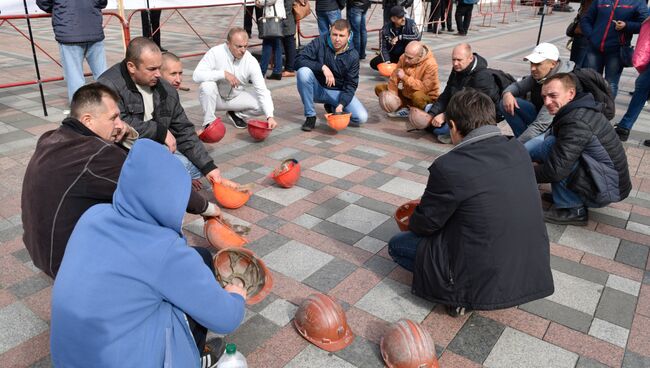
point(198, 331)
point(437, 13)
point(289, 46)
point(248, 18)
point(463, 16)
point(148, 29)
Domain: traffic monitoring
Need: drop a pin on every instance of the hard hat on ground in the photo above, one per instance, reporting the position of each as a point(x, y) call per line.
point(322, 321)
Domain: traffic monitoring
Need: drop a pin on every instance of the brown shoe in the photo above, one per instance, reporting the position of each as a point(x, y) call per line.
point(286, 74)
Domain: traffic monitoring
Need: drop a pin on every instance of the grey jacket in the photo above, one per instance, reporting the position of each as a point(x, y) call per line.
point(168, 114)
point(75, 21)
point(529, 85)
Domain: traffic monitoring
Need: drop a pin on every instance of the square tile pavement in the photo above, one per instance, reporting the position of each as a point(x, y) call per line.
point(575, 293)
point(296, 260)
point(590, 241)
point(358, 218)
point(403, 188)
point(283, 196)
point(392, 301)
point(279, 312)
point(335, 168)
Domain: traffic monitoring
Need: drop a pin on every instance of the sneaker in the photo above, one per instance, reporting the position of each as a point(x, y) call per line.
point(457, 311)
point(208, 360)
point(646, 143)
point(623, 134)
point(444, 138)
point(275, 76)
point(401, 113)
point(310, 123)
point(238, 122)
point(567, 216)
point(328, 108)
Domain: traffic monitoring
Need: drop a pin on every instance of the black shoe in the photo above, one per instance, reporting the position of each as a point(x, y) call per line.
point(238, 122)
point(567, 216)
point(646, 143)
point(310, 123)
point(208, 360)
point(456, 311)
point(329, 108)
point(216, 346)
point(450, 29)
point(547, 197)
point(275, 76)
point(623, 134)
point(163, 50)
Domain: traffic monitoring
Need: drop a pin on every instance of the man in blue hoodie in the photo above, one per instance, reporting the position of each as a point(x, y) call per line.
point(328, 72)
point(129, 283)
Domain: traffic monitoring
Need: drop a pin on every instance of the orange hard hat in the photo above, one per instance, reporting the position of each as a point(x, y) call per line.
point(386, 69)
point(407, 345)
point(221, 235)
point(418, 119)
point(288, 173)
point(389, 101)
point(230, 196)
point(404, 212)
point(259, 129)
point(338, 121)
point(241, 267)
point(322, 321)
point(214, 132)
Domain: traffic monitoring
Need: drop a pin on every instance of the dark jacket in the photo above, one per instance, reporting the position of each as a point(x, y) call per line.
point(598, 27)
point(409, 32)
point(329, 5)
point(580, 127)
point(71, 170)
point(289, 23)
point(361, 4)
point(486, 245)
point(75, 21)
point(344, 66)
point(474, 76)
point(168, 114)
point(387, 4)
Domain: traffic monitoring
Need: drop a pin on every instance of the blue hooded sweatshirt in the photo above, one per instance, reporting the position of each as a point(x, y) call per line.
point(128, 278)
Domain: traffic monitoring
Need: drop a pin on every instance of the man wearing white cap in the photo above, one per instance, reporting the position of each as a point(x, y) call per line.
point(529, 118)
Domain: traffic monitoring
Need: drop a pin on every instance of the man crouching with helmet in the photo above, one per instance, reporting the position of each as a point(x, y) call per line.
point(477, 239)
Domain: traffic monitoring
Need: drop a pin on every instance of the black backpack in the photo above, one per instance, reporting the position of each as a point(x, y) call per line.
point(588, 80)
point(501, 78)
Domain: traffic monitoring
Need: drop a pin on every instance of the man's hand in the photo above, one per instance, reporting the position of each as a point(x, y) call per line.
point(438, 120)
point(400, 73)
point(510, 103)
point(329, 77)
point(394, 40)
point(619, 25)
point(234, 82)
point(272, 122)
point(214, 176)
point(339, 108)
point(121, 130)
point(237, 289)
point(170, 142)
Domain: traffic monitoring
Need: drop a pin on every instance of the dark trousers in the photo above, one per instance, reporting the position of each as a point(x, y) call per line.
point(437, 13)
point(463, 17)
point(378, 60)
point(289, 45)
point(248, 18)
point(149, 28)
point(198, 331)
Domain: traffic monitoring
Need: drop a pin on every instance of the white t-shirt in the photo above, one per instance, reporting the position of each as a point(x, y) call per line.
point(147, 98)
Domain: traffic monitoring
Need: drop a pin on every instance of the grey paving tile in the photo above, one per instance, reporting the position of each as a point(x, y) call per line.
point(328, 208)
point(371, 150)
point(609, 332)
point(590, 241)
point(330, 275)
point(249, 177)
point(404, 188)
point(476, 338)
point(271, 223)
point(264, 204)
point(17, 325)
point(250, 166)
point(624, 284)
point(517, 349)
point(358, 218)
point(375, 205)
point(343, 184)
point(606, 219)
point(296, 260)
point(377, 180)
point(349, 197)
point(235, 172)
point(379, 265)
point(283, 196)
point(338, 232)
point(362, 353)
point(312, 356)
point(25, 123)
point(30, 286)
point(310, 184)
point(392, 301)
point(11, 233)
point(579, 270)
point(575, 292)
point(329, 154)
point(306, 220)
point(559, 313)
point(256, 308)
point(43, 363)
point(362, 155)
point(324, 145)
point(283, 153)
point(385, 231)
point(370, 244)
point(279, 312)
point(634, 360)
point(22, 255)
point(646, 277)
point(635, 217)
point(584, 362)
point(335, 168)
point(633, 254)
point(252, 333)
point(639, 228)
point(617, 307)
point(402, 165)
point(419, 170)
point(376, 166)
point(267, 244)
point(554, 232)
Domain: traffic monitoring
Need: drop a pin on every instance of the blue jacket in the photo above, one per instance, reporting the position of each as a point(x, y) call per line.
point(128, 278)
point(598, 27)
point(344, 66)
point(75, 21)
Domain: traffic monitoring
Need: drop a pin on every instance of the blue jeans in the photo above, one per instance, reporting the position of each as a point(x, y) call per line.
point(563, 197)
point(311, 91)
point(194, 171)
point(524, 115)
point(579, 49)
point(640, 96)
point(326, 19)
point(443, 130)
point(357, 19)
point(608, 61)
point(403, 247)
point(72, 59)
point(271, 45)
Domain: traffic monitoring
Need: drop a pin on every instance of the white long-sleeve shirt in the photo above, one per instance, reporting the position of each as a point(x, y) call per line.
point(219, 59)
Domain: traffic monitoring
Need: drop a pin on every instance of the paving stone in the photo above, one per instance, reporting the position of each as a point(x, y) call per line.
point(296, 260)
point(371, 150)
point(249, 177)
point(30, 286)
point(646, 277)
point(349, 197)
point(554, 232)
point(271, 223)
point(607, 219)
point(22, 255)
point(338, 169)
point(330, 275)
point(362, 155)
point(324, 145)
point(306, 220)
point(43, 363)
point(584, 362)
point(517, 349)
point(343, 184)
point(17, 325)
point(419, 170)
point(362, 353)
point(609, 332)
point(14, 136)
point(370, 244)
point(252, 333)
point(283, 153)
point(283, 196)
point(575, 292)
point(477, 338)
point(402, 165)
point(610, 211)
point(267, 244)
point(264, 205)
point(559, 313)
point(632, 254)
point(328, 208)
point(375, 166)
point(279, 312)
point(385, 231)
point(392, 301)
point(617, 307)
point(358, 218)
point(590, 241)
point(377, 180)
point(579, 270)
point(625, 285)
point(310, 184)
point(234, 172)
point(312, 356)
point(377, 206)
point(250, 166)
point(338, 232)
point(379, 265)
point(256, 308)
point(404, 188)
point(634, 360)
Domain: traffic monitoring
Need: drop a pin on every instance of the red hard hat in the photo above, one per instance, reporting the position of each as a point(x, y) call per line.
point(258, 129)
point(322, 321)
point(403, 214)
point(288, 173)
point(230, 196)
point(338, 121)
point(406, 345)
point(221, 235)
point(389, 101)
point(241, 266)
point(386, 69)
point(214, 132)
point(418, 119)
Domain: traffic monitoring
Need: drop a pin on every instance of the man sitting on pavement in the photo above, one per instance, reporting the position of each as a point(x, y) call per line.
point(328, 72)
point(581, 157)
point(152, 106)
point(469, 69)
point(529, 119)
point(73, 168)
point(415, 80)
point(225, 73)
point(394, 37)
point(477, 239)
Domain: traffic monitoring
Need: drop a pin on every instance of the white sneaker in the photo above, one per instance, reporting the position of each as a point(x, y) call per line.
point(401, 113)
point(444, 138)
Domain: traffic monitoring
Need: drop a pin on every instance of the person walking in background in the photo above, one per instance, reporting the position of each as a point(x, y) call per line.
point(328, 12)
point(464, 15)
point(440, 14)
point(356, 13)
point(289, 39)
point(151, 25)
point(248, 18)
point(580, 44)
point(272, 45)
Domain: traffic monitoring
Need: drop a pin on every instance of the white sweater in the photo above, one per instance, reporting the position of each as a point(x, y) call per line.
point(219, 59)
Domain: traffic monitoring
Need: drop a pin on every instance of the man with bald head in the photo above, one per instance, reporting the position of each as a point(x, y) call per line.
point(415, 80)
point(172, 69)
point(469, 69)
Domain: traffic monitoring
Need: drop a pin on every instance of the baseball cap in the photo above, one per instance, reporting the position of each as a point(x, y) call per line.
point(543, 51)
point(397, 11)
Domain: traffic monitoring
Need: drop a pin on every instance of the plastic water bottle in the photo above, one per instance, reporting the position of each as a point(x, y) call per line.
point(232, 358)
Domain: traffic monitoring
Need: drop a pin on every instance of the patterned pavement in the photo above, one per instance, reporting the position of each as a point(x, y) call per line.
point(329, 232)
